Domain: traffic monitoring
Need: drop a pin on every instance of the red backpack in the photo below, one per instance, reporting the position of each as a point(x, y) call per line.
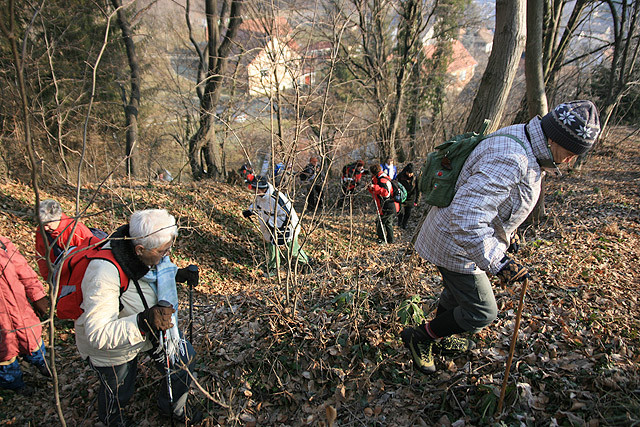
point(72, 271)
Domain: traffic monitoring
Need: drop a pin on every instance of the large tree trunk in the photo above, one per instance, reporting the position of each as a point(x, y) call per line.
point(536, 95)
point(508, 44)
point(554, 51)
point(130, 107)
point(205, 157)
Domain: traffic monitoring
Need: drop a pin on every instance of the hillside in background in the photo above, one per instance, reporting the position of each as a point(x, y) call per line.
point(333, 347)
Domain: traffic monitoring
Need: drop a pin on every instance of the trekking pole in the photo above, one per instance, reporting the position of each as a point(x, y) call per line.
point(384, 232)
point(192, 283)
point(163, 337)
point(514, 338)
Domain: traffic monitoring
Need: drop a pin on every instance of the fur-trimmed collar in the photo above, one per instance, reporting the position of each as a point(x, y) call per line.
point(125, 255)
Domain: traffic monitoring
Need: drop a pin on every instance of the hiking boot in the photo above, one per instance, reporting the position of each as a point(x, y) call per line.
point(44, 371)
point(190, 416)
point(420, 345)
point(305, 269)
point(269, 273)
point(454, 345)
point(25, 390)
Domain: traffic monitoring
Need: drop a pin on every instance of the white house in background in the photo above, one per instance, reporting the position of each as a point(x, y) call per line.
point(276, 64)
point(269, 55)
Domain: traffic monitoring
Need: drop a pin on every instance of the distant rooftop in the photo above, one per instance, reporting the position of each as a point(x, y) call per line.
point(460, 57)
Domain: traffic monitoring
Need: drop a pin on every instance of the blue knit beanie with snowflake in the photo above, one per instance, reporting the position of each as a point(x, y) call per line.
point(573, 125)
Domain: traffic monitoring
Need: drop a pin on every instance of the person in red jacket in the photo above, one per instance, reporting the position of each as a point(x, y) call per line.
point(20, 329)
point(351, 176)
point(382, 192)
point(56, 223)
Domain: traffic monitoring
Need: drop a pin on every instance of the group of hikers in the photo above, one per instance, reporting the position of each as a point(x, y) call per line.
point(385, 178)
point(129, 297)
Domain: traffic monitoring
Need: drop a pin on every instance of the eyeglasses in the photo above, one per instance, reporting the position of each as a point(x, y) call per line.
point(166, 251)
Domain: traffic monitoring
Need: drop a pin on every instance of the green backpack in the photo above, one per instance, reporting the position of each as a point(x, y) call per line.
point(399, 192)
point(440, 172)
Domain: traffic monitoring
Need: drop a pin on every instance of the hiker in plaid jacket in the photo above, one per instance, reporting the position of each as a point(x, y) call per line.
point(497, 189)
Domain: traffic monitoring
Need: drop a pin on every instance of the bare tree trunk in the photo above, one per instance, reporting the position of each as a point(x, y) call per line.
point(385, 81)
point(204, 158)
point(536, 95)
point(626, 47)
point(553, 52)
point(508, 44)
point(130, 107)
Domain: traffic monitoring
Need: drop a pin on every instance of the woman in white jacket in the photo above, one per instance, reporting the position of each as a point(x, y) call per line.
point(116, 326)
point(279, 225)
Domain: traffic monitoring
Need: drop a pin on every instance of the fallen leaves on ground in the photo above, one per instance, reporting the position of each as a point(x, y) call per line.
point(323, 349)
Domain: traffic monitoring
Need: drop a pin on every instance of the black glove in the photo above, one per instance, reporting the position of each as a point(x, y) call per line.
point(189, 274)
point(514, 247)
point(512, 271)
point(247, 213)
point(156, 318)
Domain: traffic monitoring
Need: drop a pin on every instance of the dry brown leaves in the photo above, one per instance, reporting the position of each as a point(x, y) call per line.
point(331, 354)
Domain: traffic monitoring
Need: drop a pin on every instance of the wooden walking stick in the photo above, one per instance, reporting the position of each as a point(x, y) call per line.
point(514, 338)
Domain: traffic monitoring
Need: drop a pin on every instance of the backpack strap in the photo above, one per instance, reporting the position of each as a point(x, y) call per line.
point(55, 247)
point(144, 300)
point(107, 255)
point(393, 190)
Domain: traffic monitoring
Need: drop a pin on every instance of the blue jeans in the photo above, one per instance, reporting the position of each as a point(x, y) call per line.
point(117, 385)
point(11, 374)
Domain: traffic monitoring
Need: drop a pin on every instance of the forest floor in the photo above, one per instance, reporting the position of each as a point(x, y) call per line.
point(302, 349)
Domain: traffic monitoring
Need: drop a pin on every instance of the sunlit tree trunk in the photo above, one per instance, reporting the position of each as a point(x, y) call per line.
point(508, 44)
point(536, 95)
point(204, 156)
point(130, 106)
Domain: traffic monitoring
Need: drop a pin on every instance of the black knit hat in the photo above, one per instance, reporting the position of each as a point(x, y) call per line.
point(574, 125)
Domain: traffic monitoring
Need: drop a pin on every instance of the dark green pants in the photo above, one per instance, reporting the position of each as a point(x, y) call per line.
point(384, 227)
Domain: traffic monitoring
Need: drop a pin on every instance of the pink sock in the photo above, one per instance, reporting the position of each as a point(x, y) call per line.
point(427, 326)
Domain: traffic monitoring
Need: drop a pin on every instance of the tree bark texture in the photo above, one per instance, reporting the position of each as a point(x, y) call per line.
point(536, 95)
point(132, 105)
point(205, 157)
point(554, 45)
point(554, 51)
point(626, 48)
point(508, 44)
